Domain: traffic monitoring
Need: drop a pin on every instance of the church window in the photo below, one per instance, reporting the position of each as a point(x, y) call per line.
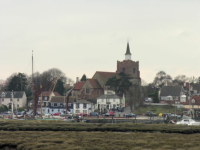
point(123, 69)
point(133, 70)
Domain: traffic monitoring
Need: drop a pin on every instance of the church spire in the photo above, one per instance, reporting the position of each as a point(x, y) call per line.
point(128, 53)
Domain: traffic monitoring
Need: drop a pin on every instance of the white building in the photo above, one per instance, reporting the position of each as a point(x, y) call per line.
point(18, 99)
point(110, 101)
point(82, 106)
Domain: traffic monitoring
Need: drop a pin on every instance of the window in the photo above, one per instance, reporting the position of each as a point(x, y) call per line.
point(123, 69)
point(87, 90)
point(51, 104)
point(61, 104)
point(108, 100)
point(10, 100)
point(114, 106)
point(102, 100)
point(52, 110)
point(2, 99)
point(84, 106)
point(69, 104)
point(58, 110)
point(55, 104)
point(77, 105)
point(133, 70)
point(17, 105)
point(18, 100)
point(45, 98)
point(77, 111)
point(85, 111)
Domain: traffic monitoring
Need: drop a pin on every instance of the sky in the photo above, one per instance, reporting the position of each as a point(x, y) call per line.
point(84, 36)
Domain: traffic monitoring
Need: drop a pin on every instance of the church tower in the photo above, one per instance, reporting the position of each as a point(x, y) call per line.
point(128, 53)
point(129, 67)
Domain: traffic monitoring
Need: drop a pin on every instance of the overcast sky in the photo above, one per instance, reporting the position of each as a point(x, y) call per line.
point(84, 36)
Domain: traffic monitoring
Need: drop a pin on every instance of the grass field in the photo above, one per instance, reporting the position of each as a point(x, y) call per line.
point(49, 140)
point(56, 135)
point(158, 109)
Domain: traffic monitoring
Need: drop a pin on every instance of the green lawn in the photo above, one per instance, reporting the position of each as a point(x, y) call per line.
point(158, 109)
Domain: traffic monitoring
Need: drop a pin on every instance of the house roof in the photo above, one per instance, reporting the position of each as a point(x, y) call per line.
point(105, 75)
point(82, 101)
point(94, 101)
point(16, 94)
point(171, 90)
point(61, 99)
point(47, 93)
point(108, 96)
point(128, 50)
point(196, 98)
point(94, 83)
point(79, 85)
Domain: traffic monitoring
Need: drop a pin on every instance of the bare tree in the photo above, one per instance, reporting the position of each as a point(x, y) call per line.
point(180, 79)
point(161, 79)
point(8, 80)
point(144, 83)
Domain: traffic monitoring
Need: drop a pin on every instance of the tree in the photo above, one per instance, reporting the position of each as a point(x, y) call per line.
point(18, 83)
point(180, 79)
point(60, 87)
point(121, 83)
point(161, 79)
point(83, 78)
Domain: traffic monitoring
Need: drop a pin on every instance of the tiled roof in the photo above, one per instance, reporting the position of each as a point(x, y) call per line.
point(108, 96)
point(94, 83)
point(79, 85)
point(82, 101)
point(47, 93)
point(16, 94)
point(171, 90)
point(61, 99)
point(106, 75)
point(196, 98)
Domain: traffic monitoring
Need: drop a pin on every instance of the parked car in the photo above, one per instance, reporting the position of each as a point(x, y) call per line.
point(93, 114)
point(188, 122)
point(130, 115)
point(83, 114)
point(150, 113)
point(56, 114)
point(111, 113)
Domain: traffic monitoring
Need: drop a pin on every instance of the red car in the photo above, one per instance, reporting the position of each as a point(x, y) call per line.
point(56, 114)
point(83, 114)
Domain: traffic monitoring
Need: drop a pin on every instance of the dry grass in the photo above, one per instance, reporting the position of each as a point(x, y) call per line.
point(24, 140)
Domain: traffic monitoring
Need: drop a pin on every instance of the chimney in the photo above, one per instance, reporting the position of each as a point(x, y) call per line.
point(77, 79)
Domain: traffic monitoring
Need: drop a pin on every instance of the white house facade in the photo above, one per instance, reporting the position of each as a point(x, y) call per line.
point(109, 101)
point(18, 99)
point(82, 106)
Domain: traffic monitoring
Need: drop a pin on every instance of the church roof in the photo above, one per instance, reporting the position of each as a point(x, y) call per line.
point(128, 50)
point(94, 83)
point(79, 85)
point(106, 75)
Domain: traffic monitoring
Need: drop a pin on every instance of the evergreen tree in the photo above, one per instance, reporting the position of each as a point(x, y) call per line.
point(83, 78)
point(60, 87)
point(17, 83)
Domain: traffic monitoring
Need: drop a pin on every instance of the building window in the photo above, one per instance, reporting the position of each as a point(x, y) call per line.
point(51, 104)
point(58, 110)
point(18, 100)
point(69, 104)
point(45, 98)
point(55, 104)
point(87, 90)
point(114, 106)
point(10, 100)
point(2, 99)
point(133, 70)
point(17, 105)
point(61, 104)
point(77, 111)
point(123, 69)
point(84, 106)
point(102, 100)
point(77, 105)
point(85, 111)
point(52, 110)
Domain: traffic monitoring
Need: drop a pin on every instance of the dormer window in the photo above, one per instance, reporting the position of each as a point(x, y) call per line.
point(87, 91)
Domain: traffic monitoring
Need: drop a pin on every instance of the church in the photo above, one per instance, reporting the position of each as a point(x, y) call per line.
point(94, 87)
